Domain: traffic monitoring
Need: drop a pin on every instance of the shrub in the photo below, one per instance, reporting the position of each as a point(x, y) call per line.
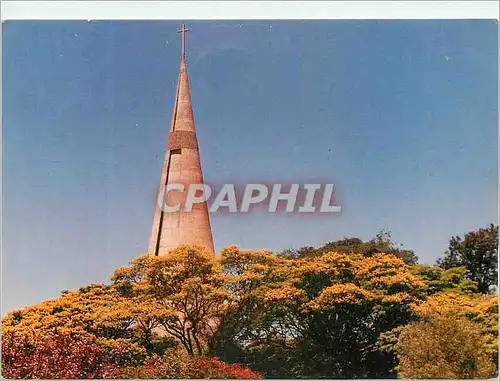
point(209, 367)
point(52, 357)
point(176, 365)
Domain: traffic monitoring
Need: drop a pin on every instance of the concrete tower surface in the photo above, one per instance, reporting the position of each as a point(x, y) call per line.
point(182, 166)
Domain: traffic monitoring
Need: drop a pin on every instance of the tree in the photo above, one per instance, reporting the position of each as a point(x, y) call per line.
point(96, 312)
point(438, 279)
point(381, 243)
point(53, 356)
point(184, 291)
point(56, 355)
point(479, 309)
point(318, 317)
point(448, 295)
point(151, 305)
point(478, 253)
point(335, 314)
point(444, 347)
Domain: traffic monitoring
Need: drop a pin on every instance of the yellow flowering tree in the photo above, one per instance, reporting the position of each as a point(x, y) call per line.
point(480, 309)
point(186, 289)
point(316, 316)
point(331, 315)
point(97, 313)
point(444, 347)
point(457, 332)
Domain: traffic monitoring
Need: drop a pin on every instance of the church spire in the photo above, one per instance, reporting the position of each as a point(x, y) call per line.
point(182, 166)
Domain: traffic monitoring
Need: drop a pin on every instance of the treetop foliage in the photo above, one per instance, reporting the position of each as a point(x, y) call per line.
point(478, 253)
point(314, 314)
point(381, 243)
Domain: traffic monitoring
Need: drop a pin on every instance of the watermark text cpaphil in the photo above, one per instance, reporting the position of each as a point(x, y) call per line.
point(300, 198)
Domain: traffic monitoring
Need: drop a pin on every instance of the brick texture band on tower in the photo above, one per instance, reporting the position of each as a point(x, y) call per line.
point(182, 166)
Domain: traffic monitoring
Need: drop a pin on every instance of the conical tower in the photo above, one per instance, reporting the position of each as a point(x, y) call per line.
point(182, 166)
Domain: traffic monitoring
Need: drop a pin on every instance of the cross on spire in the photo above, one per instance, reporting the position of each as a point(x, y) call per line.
point(183, 32)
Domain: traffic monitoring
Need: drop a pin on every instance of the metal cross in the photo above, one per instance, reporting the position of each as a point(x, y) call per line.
point(183, 31)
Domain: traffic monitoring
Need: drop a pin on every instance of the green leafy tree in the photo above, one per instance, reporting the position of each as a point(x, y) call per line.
point(437, 279)
point(477, 251)
point(381, 243)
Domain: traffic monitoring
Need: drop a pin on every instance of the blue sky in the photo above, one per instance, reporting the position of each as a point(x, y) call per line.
point(400, 115)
